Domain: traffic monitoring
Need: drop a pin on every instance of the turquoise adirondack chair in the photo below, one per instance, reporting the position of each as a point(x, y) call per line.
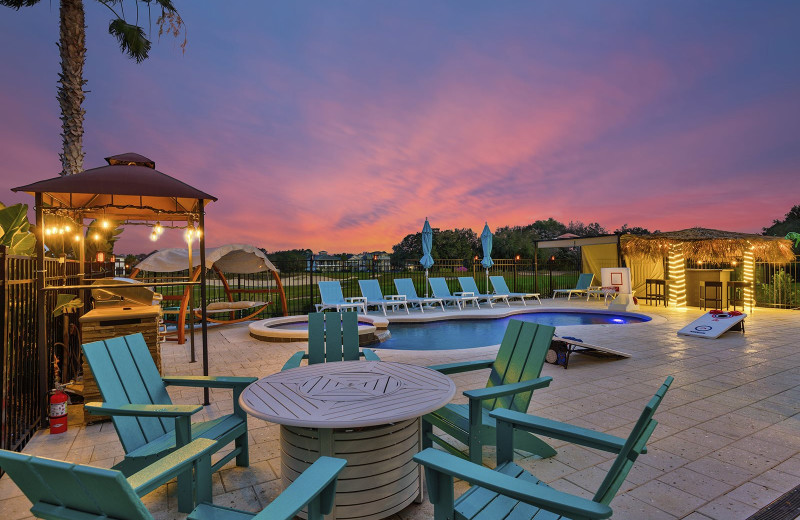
point(468, 285)
point(65, 491)
point(149, 426)
point(513, 378)
point(509, 491)
point(332, 336)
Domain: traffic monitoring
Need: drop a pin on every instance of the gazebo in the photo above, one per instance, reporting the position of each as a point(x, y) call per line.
point(709, 246)
point(129, 190)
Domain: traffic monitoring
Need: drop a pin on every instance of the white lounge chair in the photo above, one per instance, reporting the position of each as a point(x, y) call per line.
point(332, 298)
point(582, 287)
point(500, 287)
point(468, 285)
point(371, 290)
point(460, 299)
point(407, 291)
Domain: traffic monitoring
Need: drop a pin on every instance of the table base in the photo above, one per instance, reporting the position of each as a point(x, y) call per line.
point(380, 478)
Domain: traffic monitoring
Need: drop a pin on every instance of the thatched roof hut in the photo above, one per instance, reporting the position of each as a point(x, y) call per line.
point(708, 245)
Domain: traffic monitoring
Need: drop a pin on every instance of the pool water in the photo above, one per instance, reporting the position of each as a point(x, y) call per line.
point(455, 334)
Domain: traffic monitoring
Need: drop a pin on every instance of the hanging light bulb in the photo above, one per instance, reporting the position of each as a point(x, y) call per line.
point(158, 229)
point(104, 224)
point(76, 238)
point(96, 236)
point(188, 234)
point(154, 236)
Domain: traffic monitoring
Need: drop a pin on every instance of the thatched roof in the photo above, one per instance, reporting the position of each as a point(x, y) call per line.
point(708, 245)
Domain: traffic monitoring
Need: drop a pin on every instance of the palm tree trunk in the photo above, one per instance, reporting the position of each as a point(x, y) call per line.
point(72, 47)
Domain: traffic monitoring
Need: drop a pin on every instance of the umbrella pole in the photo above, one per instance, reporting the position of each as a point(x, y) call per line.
point(426, 283)
point(487, 280)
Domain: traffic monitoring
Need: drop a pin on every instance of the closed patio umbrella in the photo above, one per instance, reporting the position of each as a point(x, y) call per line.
point(427, 245)
point(486, 242)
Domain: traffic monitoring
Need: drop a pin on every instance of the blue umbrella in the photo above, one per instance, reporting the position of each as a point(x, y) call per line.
point(427, 245)
point(486, 242)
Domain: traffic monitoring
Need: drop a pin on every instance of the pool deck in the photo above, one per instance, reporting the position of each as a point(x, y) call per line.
point(727, 443)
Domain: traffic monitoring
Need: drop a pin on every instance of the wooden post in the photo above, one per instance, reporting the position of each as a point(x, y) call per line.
point(41, 319)
point(202, 224)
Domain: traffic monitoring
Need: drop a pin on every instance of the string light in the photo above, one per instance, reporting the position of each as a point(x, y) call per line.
point(96, 236)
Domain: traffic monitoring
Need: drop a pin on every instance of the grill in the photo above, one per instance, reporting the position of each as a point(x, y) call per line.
point(128, 293)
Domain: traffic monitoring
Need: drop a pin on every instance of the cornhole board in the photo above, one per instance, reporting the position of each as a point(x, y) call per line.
point(712, 326)
point(562, 347)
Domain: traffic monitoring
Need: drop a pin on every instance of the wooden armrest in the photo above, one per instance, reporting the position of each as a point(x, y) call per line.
point(438, 464)
point(143, 410)
point(560, 430)
point(465, 366)
point(209, 381)
point(511, 388)
point(169, 466)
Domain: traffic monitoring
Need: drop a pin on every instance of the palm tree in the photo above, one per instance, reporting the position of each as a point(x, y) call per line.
point(72, 49)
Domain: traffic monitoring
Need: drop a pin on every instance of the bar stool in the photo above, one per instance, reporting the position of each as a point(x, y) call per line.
point(655, 289)
point(711, 293)
point(736, 294)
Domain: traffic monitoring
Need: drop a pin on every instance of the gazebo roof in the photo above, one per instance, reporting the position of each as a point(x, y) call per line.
point(128, 188)
point(708, 245)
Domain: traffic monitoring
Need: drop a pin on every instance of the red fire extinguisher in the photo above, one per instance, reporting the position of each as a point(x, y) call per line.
point(58, 411)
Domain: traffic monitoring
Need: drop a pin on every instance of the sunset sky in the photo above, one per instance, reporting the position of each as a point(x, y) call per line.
point(342, 125)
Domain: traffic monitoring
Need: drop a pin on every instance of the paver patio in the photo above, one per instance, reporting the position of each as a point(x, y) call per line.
point(728, 440)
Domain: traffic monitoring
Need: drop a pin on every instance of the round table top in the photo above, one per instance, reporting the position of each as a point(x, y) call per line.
point(347, 394)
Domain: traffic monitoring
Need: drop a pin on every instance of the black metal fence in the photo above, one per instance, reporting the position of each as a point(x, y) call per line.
point(777, 285)
point(300, 286)
point(22, 413)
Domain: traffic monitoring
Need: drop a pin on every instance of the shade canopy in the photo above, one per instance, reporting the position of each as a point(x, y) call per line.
point(128, 188)
point(708, 245)
point(427, 245)
point(486, 242)
point(230, 258)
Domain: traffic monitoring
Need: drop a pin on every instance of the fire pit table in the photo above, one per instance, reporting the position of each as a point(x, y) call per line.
point(367, 412)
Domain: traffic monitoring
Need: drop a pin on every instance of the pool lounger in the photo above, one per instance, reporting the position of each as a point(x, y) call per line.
point(562, 346)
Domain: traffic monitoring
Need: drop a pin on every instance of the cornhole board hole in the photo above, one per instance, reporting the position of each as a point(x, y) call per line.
point(714, 325)
point(562, 346)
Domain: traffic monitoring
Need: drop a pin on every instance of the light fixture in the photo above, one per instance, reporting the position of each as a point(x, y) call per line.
point(104, 224)
point(153, 235)
point(101, 256)
point(67, 228)
point(96, 236)
point(517, 257)
point(76, 238)
point(158, 229)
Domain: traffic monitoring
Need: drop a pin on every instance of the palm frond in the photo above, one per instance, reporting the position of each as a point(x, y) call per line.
point(131, 39)
point(17, 4)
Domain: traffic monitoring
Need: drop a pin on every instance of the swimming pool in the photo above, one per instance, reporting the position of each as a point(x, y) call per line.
point(472, 333)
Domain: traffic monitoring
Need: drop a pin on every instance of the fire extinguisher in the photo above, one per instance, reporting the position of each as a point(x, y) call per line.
point(58, 411)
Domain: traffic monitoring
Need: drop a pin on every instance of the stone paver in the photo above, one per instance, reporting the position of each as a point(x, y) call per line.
point(728, 440)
